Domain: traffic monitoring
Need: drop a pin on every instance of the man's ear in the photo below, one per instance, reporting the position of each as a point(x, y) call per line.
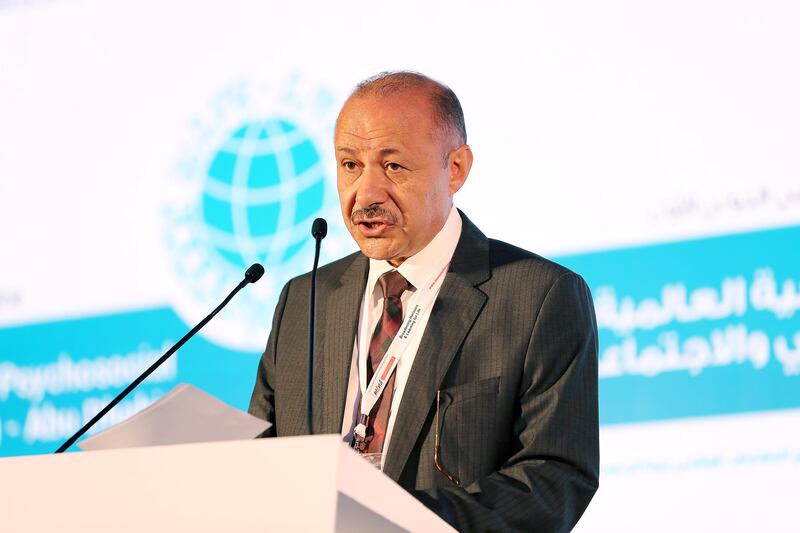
point(459, 162)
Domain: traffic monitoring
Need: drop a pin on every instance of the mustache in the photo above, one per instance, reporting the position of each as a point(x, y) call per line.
point(373, 211)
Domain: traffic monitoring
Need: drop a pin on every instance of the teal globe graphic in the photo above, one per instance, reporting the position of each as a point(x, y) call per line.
point(263, 187)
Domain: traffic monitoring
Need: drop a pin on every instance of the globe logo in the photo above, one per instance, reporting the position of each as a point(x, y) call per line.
point(263, 186)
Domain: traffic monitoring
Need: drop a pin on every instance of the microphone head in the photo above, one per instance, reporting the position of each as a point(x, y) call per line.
point(254, 273)
point(319, 228)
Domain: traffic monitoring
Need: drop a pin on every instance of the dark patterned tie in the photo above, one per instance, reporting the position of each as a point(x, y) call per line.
point(393, 284)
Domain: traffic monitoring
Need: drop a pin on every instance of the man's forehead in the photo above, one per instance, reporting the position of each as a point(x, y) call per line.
point(377, 142)
point(377, 120)
point(377, 112)
point(384, 151)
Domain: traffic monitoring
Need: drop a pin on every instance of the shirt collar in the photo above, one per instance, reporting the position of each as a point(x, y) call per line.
point(418, 268)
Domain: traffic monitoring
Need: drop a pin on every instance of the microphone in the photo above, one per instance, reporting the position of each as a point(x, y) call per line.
point(319, 229)
point(252, 275)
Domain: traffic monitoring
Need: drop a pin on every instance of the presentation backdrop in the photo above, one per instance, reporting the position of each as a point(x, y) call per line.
point(151, 151)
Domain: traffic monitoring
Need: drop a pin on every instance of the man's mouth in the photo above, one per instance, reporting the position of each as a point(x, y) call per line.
point(372, 227)
point(373, 221)
point(372, 224)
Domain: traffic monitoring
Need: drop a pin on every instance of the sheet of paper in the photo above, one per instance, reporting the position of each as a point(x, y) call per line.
point(185, 414)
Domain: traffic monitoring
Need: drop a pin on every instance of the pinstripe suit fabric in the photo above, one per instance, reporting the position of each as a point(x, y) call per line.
point(511, 344)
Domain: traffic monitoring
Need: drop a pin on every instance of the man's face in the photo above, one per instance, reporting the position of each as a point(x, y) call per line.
point(395, 186)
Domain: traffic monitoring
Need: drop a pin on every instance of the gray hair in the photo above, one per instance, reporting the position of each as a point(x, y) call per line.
point(447, 112)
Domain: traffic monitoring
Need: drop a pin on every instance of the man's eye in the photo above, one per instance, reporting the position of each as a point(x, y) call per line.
point(349, 165)
point(394, 167)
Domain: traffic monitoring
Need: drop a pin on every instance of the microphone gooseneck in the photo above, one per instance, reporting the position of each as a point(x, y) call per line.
point(319, 229)
point(252, 275)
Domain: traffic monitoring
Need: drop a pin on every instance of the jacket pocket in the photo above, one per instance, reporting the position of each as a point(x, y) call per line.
point(467, 426)
point(467, 391)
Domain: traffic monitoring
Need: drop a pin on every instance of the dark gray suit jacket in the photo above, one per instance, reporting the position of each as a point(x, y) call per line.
point(511, 344)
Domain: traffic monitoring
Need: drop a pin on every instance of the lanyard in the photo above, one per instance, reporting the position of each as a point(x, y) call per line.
point(419, 303)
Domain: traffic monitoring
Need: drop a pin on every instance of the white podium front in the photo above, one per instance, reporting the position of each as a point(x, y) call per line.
point(289, 484)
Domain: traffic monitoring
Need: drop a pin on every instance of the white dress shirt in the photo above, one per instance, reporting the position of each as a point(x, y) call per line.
point(417, 269)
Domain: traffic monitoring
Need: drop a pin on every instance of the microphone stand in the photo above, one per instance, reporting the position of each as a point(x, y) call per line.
point(319, 230)
point(252, 275)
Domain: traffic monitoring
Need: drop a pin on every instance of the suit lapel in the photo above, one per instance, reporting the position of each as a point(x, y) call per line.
point(457, 307)
point(335, 337)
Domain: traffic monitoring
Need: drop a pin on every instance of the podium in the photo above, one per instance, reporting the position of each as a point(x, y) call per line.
point(313, 483)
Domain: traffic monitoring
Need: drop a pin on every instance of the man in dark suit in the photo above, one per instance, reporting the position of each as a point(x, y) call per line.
point(490, 417)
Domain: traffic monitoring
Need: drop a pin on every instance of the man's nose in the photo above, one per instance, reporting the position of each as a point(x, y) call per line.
point(372, 187)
